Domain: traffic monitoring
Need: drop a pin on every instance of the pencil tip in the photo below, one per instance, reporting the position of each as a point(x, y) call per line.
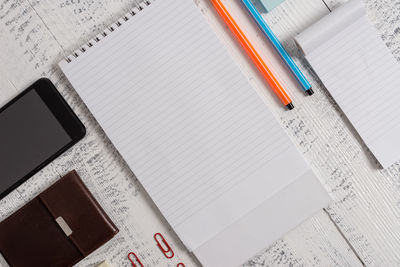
point(310, 91)
point(290, 106)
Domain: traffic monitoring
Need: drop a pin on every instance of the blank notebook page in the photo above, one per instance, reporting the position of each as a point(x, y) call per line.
point(185, 119)
point(361, 74)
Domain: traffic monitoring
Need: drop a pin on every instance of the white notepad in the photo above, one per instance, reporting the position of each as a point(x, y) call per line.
point(360, 73)
point(194, 132)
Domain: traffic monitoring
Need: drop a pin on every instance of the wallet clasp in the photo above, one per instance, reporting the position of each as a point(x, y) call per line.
point(64, 226)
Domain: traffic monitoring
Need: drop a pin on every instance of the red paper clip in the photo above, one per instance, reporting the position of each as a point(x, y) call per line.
point(168, 252)
point(180, 265)
point(135, 259)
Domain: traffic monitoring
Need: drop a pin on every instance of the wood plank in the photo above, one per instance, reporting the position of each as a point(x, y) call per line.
point(367, 199)
point(7, 90)
point(322, 257)
point(55, 27)
point(91, 157)
point(315, 242)
point(100, 166)
point(75, 22)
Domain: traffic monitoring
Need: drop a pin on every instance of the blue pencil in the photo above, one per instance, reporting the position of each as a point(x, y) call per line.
point(278, 46)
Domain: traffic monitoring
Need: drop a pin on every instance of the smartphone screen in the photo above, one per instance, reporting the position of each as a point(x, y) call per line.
point(31, 134)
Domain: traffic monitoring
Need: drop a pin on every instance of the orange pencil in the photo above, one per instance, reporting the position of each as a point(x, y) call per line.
point(253, 54)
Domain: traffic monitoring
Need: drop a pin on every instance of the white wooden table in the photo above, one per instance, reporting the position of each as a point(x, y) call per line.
point(361, 227)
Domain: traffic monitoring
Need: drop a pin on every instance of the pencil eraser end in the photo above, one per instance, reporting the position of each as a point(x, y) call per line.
point(105, 263)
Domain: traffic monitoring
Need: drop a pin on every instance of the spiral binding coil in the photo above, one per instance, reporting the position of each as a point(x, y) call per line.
point(109, 30)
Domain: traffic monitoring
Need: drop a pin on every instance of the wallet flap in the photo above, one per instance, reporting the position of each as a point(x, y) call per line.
point(29, 237)
point(78, 214)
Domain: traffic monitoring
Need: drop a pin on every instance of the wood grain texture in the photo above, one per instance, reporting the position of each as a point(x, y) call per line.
point(33, 51)
point(366, 209)
point(35, 35)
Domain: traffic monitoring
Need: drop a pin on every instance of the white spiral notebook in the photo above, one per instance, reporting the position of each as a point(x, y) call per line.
point(198, 137)
point(360, 73)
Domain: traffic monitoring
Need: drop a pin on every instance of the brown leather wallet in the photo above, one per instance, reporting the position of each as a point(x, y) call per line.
point(59, 227)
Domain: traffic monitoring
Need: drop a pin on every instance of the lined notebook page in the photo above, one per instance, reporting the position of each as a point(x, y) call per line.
point(361, 74)
point(185, 119)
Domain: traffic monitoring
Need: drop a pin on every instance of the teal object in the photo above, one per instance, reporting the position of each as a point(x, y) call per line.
point(271, 4)
point(278, 46)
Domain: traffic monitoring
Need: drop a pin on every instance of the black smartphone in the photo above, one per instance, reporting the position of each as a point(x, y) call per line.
point(35, 127)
